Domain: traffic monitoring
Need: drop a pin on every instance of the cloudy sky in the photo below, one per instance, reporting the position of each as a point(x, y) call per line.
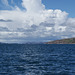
point(36, 20)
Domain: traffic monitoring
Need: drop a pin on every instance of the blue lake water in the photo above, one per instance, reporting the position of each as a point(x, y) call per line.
point(37, 59)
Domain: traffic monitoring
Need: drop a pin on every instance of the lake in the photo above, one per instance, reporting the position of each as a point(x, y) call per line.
point(37, 59)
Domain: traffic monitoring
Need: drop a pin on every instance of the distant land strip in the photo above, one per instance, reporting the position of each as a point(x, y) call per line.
point(62, 41)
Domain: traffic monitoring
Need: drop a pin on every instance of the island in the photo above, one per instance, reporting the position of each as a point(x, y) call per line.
point(62, 41)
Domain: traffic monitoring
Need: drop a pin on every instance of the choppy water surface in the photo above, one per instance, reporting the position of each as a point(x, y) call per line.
point(38, 59)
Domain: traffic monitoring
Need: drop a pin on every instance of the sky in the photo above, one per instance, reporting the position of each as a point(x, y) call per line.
point(36, 20)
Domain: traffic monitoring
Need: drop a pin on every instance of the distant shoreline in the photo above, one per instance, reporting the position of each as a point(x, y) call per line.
point(62, 41)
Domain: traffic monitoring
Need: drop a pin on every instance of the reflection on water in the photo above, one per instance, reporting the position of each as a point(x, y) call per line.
point(38, 59)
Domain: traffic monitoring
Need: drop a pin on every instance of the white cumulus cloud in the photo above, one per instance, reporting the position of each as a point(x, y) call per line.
point(35, 23)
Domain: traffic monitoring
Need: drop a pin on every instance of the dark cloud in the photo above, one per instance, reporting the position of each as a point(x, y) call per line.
point(3, 29)
point(2, 20)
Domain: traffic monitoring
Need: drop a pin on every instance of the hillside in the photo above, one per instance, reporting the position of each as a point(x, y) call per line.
point(63, 41)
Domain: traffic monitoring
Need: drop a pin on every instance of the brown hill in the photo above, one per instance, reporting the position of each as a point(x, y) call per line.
point(63, 41)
